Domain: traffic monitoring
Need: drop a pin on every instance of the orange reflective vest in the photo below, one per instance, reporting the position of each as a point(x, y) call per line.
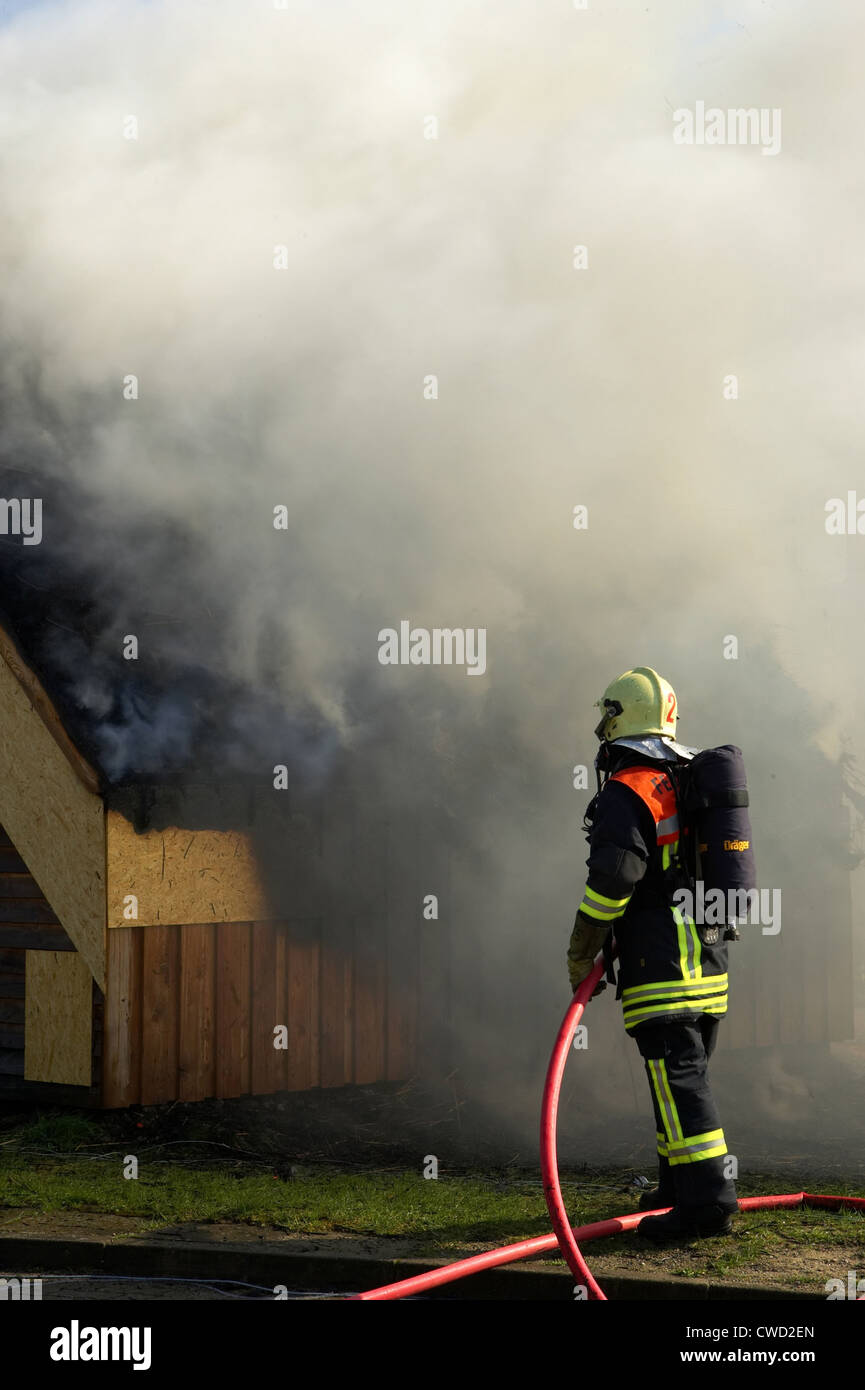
point(656, 790)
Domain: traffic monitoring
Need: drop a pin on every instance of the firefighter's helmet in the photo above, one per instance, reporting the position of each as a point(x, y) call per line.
point(639, 702)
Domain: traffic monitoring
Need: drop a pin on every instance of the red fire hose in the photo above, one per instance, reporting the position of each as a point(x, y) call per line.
point(549, 1115)
point(564, 1236)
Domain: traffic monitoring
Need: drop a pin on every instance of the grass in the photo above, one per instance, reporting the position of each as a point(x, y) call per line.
point(63, 1163)
point(436, 1212)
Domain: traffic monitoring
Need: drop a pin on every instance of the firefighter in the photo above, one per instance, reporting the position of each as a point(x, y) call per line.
point(672, 972)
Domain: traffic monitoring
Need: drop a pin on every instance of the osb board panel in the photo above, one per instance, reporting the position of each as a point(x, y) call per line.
point(181, 876)
point(58, 1018)
point(55, 823)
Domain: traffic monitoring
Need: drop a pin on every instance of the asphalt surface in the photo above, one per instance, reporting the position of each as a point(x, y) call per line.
point(81, 1288)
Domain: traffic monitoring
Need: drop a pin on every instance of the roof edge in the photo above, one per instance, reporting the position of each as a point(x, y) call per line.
point(39, 699)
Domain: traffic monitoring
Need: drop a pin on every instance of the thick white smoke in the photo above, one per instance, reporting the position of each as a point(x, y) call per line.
point(309, 128)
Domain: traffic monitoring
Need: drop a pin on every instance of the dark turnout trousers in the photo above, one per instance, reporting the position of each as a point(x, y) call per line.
point(691, 1147)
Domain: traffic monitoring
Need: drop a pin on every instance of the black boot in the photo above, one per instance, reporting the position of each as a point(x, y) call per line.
point(654, 1199)
point(664, 1195)
point(687, 1223)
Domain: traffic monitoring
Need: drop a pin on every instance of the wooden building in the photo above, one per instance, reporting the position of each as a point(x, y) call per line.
point(143, 965)
point(157, 945)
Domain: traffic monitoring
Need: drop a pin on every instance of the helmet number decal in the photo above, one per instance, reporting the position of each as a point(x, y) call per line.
point(670, 716)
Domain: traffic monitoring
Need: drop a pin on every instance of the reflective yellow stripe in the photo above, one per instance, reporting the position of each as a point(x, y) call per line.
point(600, 914)
point(600, 908)
point(669, 1005)
point(683, 944)
point(662, 1145)
point(716, 1136)
point(716, 1150)
point(709, 982)
point(717, 1004)
point(666, 1104)
point(690, 953)
point(606, 902)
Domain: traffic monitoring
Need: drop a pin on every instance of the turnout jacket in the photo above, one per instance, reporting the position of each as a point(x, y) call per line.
point(669, 968)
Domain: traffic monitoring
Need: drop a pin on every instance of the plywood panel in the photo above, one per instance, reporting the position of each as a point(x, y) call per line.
point(232, 1008)
point(196, 1059)
point(58, 1018)
point(121, 1044)
point(160, 991)
point(181, 876)
point(55, 822)
point(43, 706)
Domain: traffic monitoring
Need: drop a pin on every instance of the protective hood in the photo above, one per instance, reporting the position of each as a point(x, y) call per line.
point(656, 746)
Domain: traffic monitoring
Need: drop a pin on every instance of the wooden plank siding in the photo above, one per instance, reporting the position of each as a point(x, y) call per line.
point(302, 976)
point(192, 1008)
point(404, 927)
point(121, 1056)
point(336, 983)
point(197, 1013)
point(29, 928)
point(368, 888)
point(232, 990)
point(433, 878)
point(160, 996)
point(262, 998)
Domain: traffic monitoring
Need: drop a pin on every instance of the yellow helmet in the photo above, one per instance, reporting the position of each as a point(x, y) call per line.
point(637, 703)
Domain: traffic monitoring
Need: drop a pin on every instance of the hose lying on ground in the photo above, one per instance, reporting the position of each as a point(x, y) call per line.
point(564, 1236)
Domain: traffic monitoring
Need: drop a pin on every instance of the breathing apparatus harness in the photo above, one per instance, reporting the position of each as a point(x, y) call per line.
point(682, 870)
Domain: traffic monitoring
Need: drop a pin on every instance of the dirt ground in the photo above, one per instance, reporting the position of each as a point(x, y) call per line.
point(800, 1268)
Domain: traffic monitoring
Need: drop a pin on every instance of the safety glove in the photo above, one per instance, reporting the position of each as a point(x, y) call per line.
point(587, 938)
